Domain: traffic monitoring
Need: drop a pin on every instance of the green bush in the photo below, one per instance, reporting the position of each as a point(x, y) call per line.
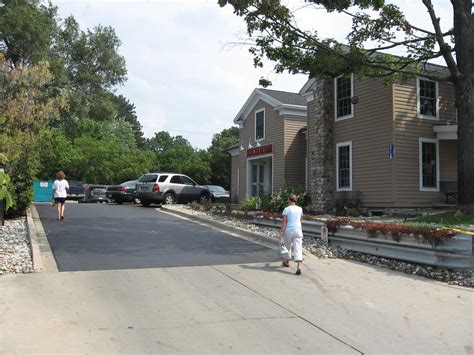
point(23, 174)
point(6, 190)
point(348, 204)
point(251, 203)
point(279, 199)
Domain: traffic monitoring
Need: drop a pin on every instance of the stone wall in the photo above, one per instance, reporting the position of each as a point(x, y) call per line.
point(321, 149)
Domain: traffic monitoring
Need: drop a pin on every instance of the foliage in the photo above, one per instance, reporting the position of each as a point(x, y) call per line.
point(23, 171)
point(175, 154)
point(219, 159)
point(29, 102)
point(348, 204)
point(446, 219)
point(6, 190)
point(397, 232)
point(279, 199)
point(251, 204)
point(27, 29)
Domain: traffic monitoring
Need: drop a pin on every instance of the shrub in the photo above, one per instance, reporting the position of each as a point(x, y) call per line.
point(252, 204)
point(348, 204)
point(279, 199)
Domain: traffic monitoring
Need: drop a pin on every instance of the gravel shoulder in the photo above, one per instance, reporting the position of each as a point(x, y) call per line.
point(15, 252)
point(318, 248)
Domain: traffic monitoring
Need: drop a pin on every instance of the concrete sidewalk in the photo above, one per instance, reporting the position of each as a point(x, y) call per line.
point(336, 306)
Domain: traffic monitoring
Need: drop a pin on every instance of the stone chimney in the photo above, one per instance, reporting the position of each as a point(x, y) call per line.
point(321, 148)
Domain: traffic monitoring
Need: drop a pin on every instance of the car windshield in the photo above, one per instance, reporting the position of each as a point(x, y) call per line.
point(148, 178)
point(215, 188)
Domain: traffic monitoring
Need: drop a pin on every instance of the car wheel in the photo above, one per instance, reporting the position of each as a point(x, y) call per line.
point(119, 202)
point(145, 203)
point(168, 199)
point(203, 199)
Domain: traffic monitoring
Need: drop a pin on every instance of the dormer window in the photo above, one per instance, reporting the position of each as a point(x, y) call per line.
point(260, 125)
point(427, 98)
point(343, 92)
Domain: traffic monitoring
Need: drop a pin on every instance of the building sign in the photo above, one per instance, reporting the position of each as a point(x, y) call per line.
point(264, 149)
point(391, 150)
point(43, 184)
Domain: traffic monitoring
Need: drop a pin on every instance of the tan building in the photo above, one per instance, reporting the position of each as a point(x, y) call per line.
point(395, 145)
point(272, 147)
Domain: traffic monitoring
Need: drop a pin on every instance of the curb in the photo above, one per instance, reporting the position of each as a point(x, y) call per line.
point(41, 253)
point(221, 227)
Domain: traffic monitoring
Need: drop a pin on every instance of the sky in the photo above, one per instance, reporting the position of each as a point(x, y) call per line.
point(186, 73)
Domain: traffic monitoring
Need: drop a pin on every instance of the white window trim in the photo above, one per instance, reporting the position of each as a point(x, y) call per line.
point(335, 99)
point(420, 164)
point(255, 124)
point(337, 166)
point(419, 115)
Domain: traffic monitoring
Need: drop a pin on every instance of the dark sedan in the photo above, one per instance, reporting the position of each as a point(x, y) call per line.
point(125, 192)
point(218, 193)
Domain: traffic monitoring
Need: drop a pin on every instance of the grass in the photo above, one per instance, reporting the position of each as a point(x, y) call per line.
point(446, 218)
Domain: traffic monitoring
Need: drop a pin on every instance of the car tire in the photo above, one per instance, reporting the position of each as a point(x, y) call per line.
point(145, 203)
point(203, 199)
point(119, 202)
point(169, 199)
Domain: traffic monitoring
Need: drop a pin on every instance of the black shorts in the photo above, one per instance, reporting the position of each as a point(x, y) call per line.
point(60, 200)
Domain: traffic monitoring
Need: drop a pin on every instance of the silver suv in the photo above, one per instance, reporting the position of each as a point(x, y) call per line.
point(169, 188)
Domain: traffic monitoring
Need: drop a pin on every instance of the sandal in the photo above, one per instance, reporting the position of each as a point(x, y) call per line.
point(298, 272)
point(285, 264)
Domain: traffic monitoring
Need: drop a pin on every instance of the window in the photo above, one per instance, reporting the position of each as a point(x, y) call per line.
point(429, 163)
point(344, 166)
point(427, 98)
point(258, 179)
point(260, 125)
point(148, 178)
point(162, 178)
point(187, 181)
point(343, 97)
point(175, 180)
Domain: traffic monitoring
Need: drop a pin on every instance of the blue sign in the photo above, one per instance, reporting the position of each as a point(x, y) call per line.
point(392, 151)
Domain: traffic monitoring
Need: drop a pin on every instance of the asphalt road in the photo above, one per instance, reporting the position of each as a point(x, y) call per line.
point(111, 237)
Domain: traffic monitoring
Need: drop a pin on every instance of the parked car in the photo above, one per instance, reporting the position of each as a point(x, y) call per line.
point(76, 191)
point(169, 188)
point(95, 193)
point(218, 193)
point(125, 192)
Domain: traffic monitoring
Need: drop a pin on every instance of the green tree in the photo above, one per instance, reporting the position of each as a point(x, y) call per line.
point(219, 159)
point(126, 111)
point(278, 37)
point(26, 30)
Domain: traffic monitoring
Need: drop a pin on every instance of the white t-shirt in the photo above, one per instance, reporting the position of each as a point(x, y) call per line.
point(293, 215)
point(60, 187)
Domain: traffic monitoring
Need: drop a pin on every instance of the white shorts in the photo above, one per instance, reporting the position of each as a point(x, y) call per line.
point(294, 243)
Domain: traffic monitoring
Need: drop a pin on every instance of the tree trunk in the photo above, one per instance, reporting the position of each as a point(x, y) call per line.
point(464, 88)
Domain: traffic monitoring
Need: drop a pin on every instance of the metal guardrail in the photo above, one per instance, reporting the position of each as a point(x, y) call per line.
point(455, 253)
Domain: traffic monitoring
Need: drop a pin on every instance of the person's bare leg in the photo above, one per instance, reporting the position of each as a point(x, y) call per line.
point(59, 210)
point(62, 210)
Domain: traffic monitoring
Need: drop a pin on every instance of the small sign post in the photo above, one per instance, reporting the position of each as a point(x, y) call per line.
point(324, 234)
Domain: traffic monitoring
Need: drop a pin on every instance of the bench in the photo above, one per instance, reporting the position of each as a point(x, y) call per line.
point(450, 188)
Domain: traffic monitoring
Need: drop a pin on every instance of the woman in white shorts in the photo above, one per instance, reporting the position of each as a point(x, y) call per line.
point(292, 233)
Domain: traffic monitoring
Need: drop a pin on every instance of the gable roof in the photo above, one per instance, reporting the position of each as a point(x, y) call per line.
point(287, 103)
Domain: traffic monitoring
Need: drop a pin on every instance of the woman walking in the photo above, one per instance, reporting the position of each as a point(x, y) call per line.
point(60, 188)
point(292, 233)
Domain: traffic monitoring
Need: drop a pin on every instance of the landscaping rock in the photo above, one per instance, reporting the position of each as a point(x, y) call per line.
point(15, 255)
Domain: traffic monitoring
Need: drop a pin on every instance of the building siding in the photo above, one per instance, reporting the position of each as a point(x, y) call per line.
point(274, 131)
point(234, 171)
point(371, 133)
point(409, 128)
point(295, 152)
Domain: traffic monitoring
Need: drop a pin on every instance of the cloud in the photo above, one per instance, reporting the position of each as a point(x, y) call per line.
point(182, 75)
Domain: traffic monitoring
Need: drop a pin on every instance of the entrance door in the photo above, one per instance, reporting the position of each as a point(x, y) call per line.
point(260, 179)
